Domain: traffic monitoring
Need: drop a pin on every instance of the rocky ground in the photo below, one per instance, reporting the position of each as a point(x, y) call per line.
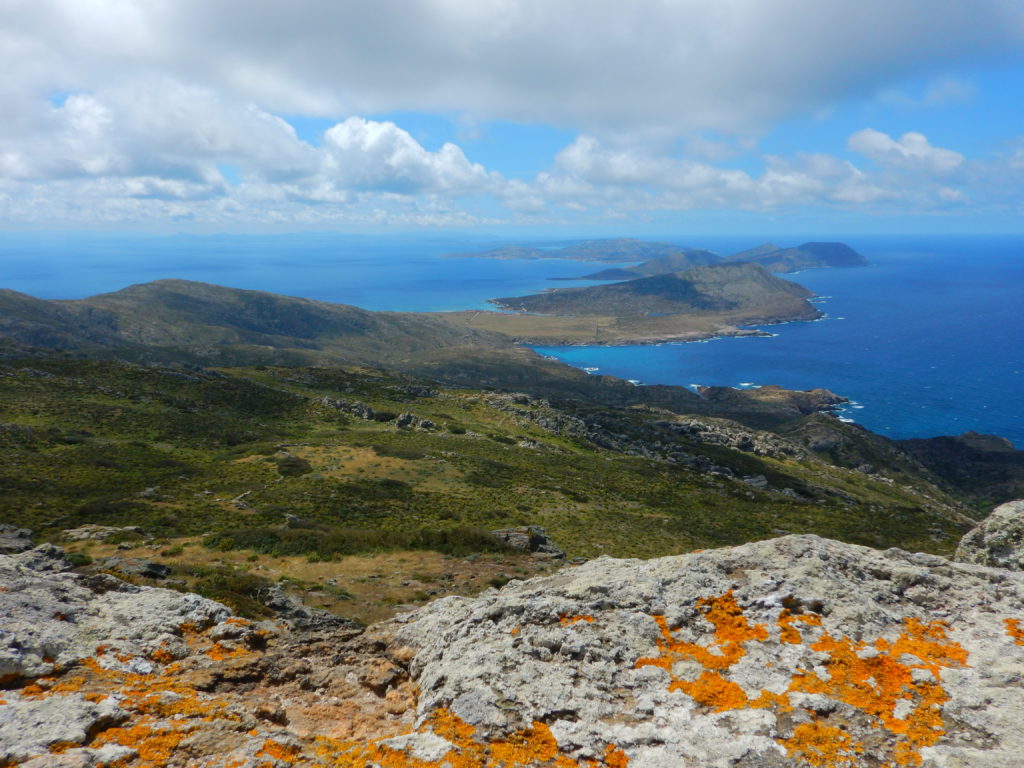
point(797, 651)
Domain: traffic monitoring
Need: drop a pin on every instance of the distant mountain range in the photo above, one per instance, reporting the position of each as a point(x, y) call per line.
point(806, 256)
point(662, 258)
point(611, 249)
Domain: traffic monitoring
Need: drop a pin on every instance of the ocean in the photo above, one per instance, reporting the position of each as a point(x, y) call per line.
point(928, 340)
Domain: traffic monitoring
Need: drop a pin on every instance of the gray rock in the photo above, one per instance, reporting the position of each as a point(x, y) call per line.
point(297, 615)
point(998, 541)
point(529, 538)
point(412, 421)
point(852, 643)
point(134, 566)
point(93, 532)
point(50, 617)
point(29, 726)
point(14, 539)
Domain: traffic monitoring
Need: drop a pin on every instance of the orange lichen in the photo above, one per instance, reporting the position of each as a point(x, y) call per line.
point(713, 690)
point(566, 619)
point(162, 654)
point(1013, 630)
point(154, 745)
point(731, 631)
point(790, 634)
point(534, 745)
point(877, 679)
point(218, 652)
point(286, 753)
point(514, 631)
point(822, 746)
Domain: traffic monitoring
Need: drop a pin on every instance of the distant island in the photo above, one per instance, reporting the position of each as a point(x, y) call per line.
point(806, 256)
point(617, 249)
point(663, 258)
point(689, 305)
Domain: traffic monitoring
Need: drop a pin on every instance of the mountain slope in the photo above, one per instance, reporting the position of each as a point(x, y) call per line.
point(202, 321)
point(806, 256)
point(686, 258)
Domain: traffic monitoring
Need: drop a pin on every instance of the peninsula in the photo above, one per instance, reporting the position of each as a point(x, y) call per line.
point(682, 306)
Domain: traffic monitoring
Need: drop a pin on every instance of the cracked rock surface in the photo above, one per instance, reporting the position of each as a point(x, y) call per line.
point(794, 651)
point(797, 651)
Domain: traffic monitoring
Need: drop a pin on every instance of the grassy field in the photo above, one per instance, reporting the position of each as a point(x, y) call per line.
point(262, 463)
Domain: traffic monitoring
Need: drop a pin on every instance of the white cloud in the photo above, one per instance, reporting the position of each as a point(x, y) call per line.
point(363, 154)
point(594, 65)
point(911, 150)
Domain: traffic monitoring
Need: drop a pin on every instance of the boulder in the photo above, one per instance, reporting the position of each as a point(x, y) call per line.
point(134, 566)
point(93, 532)
point(529, 538)
point(998, 540)
point(14, 539)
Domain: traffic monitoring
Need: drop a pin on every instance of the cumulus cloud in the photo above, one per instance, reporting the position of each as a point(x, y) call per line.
point(588, 172)
point(911, 150)
point(594, 65)
point(368, 155)
point(177, 108)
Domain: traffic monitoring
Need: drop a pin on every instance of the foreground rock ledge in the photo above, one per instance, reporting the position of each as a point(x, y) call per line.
point(797, 651)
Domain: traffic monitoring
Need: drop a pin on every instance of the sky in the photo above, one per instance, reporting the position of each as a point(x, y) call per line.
point(512, 116)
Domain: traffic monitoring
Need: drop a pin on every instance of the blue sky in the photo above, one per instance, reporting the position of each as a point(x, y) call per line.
point(560, 117)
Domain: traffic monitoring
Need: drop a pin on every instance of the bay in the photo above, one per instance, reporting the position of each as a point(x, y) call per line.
point(928, 340)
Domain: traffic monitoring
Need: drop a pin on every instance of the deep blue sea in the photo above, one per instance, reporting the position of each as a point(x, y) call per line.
point(928, 340)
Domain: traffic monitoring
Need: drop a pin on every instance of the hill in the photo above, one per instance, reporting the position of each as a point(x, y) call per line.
point(746, 291)
point(806, 256)
point(209, 322)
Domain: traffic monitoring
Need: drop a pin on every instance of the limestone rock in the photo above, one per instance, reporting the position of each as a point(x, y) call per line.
point(49, 617)
point(529, 538)
point(29, 726)
point(134, 566)
point(93, 532)
point(998, 541)
point(14, 539)
point(795, 651)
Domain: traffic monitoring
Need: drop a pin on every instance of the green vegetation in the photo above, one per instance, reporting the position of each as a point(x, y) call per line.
point(744, 291)
point(267, 459)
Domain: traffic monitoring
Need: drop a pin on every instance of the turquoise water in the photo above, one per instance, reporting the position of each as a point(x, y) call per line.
point(929, 340)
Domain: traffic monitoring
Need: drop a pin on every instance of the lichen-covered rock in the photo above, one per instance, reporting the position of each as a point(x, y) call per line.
point(998, 540)
point(29, 726)
point(796, 651)
point(50, 618)
point(14, 539)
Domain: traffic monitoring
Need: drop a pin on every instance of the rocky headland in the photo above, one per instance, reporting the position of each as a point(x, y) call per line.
point(796, 651)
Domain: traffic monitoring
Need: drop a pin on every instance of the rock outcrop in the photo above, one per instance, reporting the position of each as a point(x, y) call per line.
point(797, 651)
point(998, 541)
point(97, 673)
point(530, 538)
point(14, 539)
point(793, 652)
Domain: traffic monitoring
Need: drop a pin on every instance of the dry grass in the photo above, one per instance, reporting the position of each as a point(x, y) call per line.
point(366, 588)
